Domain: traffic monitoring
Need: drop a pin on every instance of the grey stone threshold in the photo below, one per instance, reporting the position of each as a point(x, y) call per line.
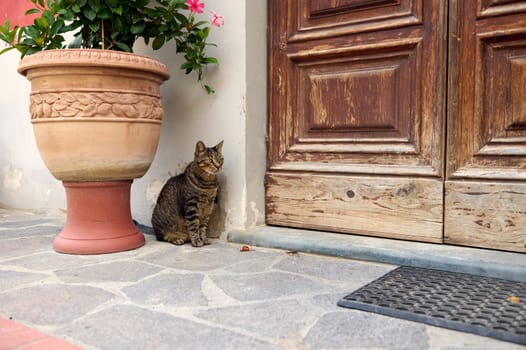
point(484, 262)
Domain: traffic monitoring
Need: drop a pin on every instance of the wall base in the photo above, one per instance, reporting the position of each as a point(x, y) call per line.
point(484, 262)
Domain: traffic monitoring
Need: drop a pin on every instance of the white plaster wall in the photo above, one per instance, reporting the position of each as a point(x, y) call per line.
point(236, 113)
point(24, 179)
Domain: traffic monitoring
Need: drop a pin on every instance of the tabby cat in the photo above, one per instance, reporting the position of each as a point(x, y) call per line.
point(187, 200)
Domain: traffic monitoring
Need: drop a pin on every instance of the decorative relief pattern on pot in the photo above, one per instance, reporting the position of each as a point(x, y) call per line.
point(95, 104)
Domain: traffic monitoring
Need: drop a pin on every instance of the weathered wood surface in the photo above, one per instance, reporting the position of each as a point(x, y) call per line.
point(487, 99)
point(396, 208)
point(356, 95)
point(357, 86)
point(488, 215)
point(485, 204)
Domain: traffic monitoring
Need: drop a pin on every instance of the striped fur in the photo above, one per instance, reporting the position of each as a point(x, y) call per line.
point(187, 200)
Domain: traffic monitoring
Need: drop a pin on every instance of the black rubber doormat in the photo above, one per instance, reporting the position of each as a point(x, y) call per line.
point(485, 306)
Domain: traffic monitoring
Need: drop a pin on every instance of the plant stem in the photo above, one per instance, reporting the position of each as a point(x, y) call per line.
point(102, 25)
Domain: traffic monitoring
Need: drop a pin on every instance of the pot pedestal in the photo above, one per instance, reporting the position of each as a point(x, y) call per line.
point(98, 219)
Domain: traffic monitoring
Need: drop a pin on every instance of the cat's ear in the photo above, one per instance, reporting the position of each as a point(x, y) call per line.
point(200, 148)
point(219, 146)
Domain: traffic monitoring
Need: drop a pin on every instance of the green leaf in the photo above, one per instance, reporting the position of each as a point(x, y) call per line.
point(48, 16)
point(118, 10)
point(31, 50)
point(110, 3)
point(142, 3)
point(94, 26)
point(211, 60)
point(55, 28)
point(209, 90)
point(95, 5)
point(58, 41)
point(188, 66)
point(5, 38)
point(89, 13)
point(104, 14)
point(200, 23)
point(137, 27)
point(32, 31)
point(182, 19)
point(117, 25)
point(5, 27)
point(70, 27)
point(123, 47)
point(158, 42)
point(67, 14)
point(204, 33)
point(41, 23)
point(31, 11)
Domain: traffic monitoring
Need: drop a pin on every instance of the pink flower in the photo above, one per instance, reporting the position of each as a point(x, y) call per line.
point(195, 6)
point(216, 19)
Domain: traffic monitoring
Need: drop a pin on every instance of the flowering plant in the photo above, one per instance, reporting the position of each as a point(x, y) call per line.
point(116, 25)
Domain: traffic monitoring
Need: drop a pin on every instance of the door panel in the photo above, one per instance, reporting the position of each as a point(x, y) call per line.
point(335, 17)
point(487, 116)
point(489, 8)
point(487, 125)
point(486, 214)
point(374, 206)
point(356, 95)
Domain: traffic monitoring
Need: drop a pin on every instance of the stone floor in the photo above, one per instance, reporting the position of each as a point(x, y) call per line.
point(217, 297)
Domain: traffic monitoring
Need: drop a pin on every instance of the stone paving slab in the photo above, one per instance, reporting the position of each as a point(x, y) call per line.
point(114, 271)
point(358, 328)
point(52, 304)
point(279, 319)
point(163, 296)
point(132, 327)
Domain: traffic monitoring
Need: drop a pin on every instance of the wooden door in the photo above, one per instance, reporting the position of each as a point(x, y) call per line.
point(485, 192)
point(356, 121)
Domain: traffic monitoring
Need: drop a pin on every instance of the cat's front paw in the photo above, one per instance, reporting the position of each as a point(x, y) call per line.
point(177, 241)
point(198, 243)
point(176, 238)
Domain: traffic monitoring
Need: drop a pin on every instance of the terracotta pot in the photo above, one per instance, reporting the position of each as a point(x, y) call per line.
point(96, 117)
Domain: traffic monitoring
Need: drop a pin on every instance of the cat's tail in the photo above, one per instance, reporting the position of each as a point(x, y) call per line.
point(144, 228)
